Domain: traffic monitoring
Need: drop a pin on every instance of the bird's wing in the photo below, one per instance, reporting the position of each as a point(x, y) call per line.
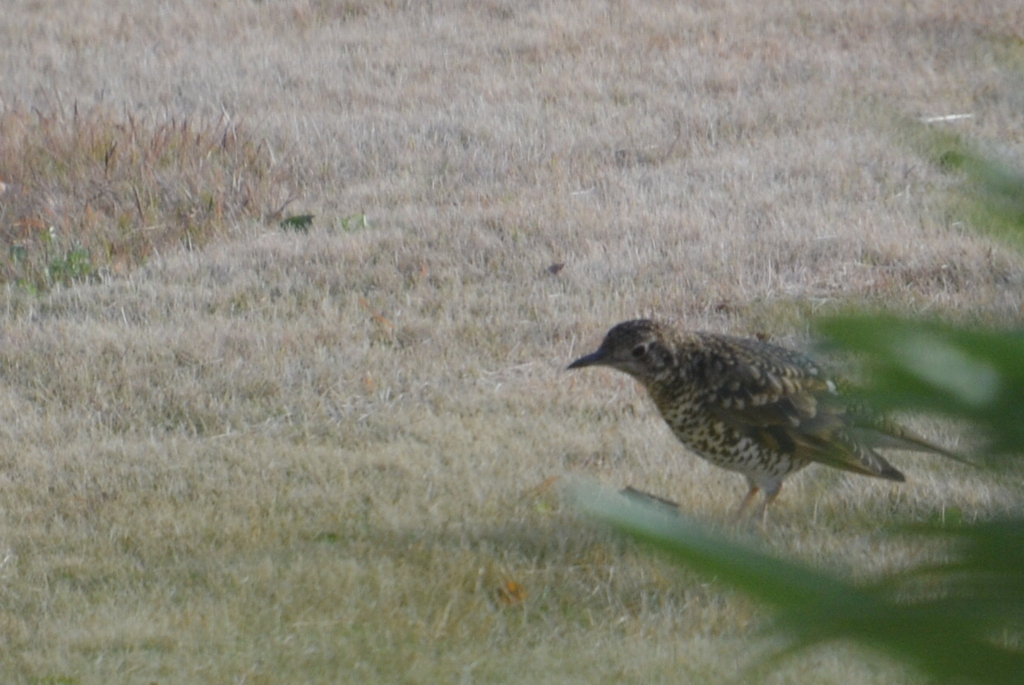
point(779, 399)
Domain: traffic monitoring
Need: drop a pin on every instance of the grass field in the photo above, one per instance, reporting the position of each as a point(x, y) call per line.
point(234, 453)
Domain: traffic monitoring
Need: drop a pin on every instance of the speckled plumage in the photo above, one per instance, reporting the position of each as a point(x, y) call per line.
point(751, 407)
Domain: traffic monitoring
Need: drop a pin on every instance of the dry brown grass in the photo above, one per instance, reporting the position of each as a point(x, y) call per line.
point(322, 458)
point(102, 194)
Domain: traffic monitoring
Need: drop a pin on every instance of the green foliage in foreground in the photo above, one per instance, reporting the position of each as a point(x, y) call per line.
point(968, 632)
point(960, 621)
point(958, 372)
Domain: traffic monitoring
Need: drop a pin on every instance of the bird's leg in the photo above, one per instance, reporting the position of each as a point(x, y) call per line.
point(770, 493)
point(751, 494)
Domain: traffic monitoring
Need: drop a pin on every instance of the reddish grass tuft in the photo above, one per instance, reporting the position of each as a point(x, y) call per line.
point(89, 192)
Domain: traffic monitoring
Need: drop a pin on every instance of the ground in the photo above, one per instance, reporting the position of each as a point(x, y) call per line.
point(338, 455)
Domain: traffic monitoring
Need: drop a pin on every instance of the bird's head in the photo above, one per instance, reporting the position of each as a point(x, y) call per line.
point(638, 348)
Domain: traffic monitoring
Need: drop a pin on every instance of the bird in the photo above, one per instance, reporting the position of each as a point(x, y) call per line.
point(753, 407)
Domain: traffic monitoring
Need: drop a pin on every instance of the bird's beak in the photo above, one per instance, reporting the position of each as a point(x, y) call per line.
point(590, 360)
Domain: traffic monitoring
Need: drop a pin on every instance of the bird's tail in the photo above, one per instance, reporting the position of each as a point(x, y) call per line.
point(888, 435)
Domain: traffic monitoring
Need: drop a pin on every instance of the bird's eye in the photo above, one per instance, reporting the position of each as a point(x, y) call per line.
point(639, 351)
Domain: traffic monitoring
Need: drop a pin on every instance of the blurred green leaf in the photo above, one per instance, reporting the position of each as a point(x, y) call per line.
point(953, 628)
point(930, 366)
